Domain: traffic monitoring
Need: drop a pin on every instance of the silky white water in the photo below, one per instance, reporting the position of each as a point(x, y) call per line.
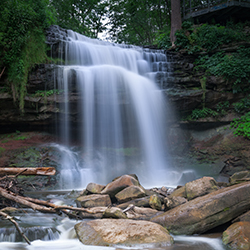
point(120, 116)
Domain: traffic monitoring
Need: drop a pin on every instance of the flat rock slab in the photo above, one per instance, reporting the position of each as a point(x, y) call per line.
point(206, 212)
point(93, 200)
point(126, 232)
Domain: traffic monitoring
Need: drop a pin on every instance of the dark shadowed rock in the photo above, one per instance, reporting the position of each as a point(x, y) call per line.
point(237, 236)
point(94, 200)
point(243, 217)
point(206, 212)
point(110, 232)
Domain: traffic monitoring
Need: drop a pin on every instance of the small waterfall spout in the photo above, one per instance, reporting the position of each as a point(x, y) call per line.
point(113, 107)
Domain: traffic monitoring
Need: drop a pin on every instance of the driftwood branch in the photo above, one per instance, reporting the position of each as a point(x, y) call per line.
point(28, 171)
point(7, 217)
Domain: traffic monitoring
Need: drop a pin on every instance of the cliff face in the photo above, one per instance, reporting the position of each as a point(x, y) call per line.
point(204, 142)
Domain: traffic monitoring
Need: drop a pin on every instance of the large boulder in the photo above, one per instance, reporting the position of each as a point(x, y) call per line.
point(94, 188)
point(119, 184)
point(130, 193)
point(200, 187)
point(111, 232)
point(204, 213)
point(237, 236)
point(93, 200)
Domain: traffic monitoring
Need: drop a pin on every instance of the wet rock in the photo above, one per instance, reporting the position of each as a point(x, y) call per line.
point(174, 202)
point(93, 213)
point(179, 192)
point(200, 187)
point(119, 184)
point(155, 202)
point(141, 202)
point(114, 212)
point(130, 193)
point(94, 188)
point(204, 213)
point(239, 177)
point(141, 213)
point(94, 200)
point(111, 232)
point(237, 236)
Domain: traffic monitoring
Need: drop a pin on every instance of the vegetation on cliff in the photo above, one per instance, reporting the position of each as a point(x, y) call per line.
point(221, 51)
point(22, 41)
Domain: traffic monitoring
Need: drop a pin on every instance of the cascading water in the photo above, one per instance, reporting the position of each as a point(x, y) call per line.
point(120, 113)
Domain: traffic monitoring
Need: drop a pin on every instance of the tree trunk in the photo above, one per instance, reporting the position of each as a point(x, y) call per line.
point(175, 19)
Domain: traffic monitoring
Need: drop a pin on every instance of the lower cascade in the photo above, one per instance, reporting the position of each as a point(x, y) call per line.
point(114, 109)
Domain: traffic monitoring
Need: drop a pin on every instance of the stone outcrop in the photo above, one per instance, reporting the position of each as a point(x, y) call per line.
point(204, 213)
point(111, 232)
point(237, 236)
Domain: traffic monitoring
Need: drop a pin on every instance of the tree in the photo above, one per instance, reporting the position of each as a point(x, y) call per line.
point(175, 19)
point(137, 21)
point(83, 16)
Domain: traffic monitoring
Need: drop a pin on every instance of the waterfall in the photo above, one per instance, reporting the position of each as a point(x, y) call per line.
point(112, 105)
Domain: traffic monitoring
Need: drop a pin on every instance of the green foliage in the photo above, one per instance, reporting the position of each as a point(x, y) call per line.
point(221, 107)
point(234, 67)
point(206, 37)
point(163, 40)
point(138, 22)
point(202, 113)
point(46, 93)
point(22, 40)
point(242, 126)
point(85, 17)
point(243, 105)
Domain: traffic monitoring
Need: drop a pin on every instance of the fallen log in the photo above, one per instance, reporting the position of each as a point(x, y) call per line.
point(28, 171)
point(19, 199)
